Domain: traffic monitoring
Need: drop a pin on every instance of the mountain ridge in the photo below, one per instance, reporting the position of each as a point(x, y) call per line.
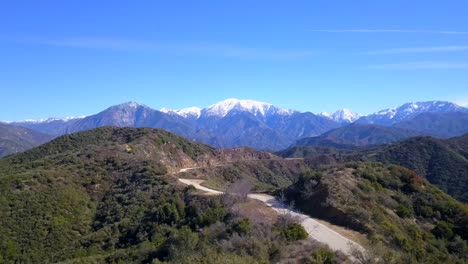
point(407, 111)
point(235, 123)
point(15, 139)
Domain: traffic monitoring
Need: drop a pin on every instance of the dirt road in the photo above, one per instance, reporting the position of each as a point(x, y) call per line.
point(315, 229)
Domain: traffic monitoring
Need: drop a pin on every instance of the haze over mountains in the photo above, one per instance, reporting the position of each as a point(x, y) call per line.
point(235, 123)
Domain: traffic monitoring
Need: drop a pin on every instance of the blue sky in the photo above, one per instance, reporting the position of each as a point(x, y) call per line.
point(72, 58)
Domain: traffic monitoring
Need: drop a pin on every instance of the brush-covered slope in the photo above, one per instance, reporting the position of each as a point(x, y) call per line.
point(109, 195)
point(414, 221)
point(15, 139)
point(443, 162)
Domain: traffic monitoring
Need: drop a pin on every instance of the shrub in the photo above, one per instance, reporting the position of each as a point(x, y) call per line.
point(294, 231)
point(242, 227)
point(443, 230)
point(322, 256)
point(404, 211)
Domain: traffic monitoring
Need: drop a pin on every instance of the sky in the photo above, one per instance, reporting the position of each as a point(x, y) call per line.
point(74, 58)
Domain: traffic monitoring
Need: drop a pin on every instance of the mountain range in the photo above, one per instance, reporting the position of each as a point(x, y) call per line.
point(234, 123)
point(17, 139)
point(408, 111)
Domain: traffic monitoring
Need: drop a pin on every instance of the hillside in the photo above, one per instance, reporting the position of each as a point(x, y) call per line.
point(443, 162)
point(15, 139)
point(353, 135)
point(440, 125)
point(110, 195)
point(407, 219)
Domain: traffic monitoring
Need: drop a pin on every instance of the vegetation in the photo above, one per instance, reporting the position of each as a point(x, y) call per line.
point(443, 162)
point(107, 196)
point(294, 231)
point(322, 256)
point(412, 218)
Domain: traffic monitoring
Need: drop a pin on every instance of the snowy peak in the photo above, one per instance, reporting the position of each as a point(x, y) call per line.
point(345, 115)
point(223, 108)
point(420, 107)
point(190, 112)
point(342, 116)
point(410, 110)
point(46, 120)
point(256, 108)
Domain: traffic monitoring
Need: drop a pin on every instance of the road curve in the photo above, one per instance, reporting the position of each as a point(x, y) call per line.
point(315, 229)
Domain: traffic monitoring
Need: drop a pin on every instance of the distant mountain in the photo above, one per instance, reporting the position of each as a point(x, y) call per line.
point(353, 135)
point(258, 109)
point(234, 123)
point(259, 125)
point(15, 139)
point(342, 116)
point(408, 111)
point(227, 124)
point(443, 162)
point(51, 126)
point(440, 125)
point(191, 112)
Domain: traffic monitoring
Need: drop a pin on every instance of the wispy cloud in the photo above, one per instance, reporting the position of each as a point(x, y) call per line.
point(197, 49)
point(419, 50)
point(422, 65)
point(445, 32)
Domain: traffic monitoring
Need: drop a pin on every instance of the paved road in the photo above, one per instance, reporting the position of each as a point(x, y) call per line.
point(315, 229)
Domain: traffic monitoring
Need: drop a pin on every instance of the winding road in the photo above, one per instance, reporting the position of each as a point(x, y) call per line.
point(316, 230)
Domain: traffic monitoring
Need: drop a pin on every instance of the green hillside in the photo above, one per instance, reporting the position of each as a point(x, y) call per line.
point(109, 196)
point(411, 220)
point(443, 162)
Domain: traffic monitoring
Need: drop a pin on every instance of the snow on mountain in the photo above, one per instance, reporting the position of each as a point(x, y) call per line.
point(190, 112)
point(342, 116)
point(410, 110)
point(223, 108)
point(256, 108)
point(194, 112)
point(46, 120)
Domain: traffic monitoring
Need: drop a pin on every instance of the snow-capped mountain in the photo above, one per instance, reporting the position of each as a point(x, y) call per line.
point(408, 111)
point(230, 123)
point(235, 123)
point(190, 112)
point(259, 109)
point(46, 120)
point(342, 116)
